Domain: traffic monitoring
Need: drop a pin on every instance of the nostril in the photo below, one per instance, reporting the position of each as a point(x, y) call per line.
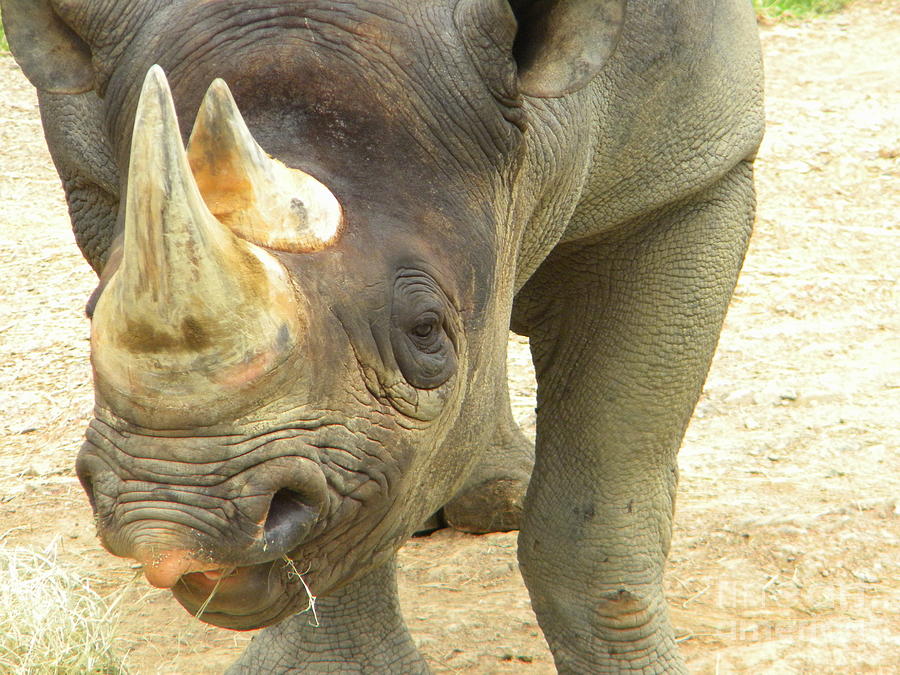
point(288, 522)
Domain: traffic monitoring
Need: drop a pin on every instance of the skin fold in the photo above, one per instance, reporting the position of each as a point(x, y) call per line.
point(278, 410)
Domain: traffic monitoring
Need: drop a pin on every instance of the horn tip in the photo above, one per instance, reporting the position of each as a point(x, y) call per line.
point(155, 83)
point(218, 93)
point(156, 75)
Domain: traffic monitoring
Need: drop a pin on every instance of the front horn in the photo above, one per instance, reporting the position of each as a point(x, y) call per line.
point(258, 197)
point(193, 313)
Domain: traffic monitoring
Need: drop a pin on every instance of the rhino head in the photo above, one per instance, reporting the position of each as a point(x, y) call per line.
point(276, 368)
point(303, 310)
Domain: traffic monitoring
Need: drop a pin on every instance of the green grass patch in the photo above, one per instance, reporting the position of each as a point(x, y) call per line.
point(52, 622)
point(4, 45)
point(776, 10)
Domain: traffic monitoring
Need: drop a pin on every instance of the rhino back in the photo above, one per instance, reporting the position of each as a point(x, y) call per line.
point(678, 106)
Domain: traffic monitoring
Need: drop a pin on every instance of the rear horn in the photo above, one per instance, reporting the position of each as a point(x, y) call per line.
point(258, 197)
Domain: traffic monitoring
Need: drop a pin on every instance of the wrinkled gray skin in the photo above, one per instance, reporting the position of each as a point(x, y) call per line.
point(587, 186)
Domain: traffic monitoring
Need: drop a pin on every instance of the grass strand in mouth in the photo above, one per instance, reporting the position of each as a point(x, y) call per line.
point(227, 573)
point(294, 572)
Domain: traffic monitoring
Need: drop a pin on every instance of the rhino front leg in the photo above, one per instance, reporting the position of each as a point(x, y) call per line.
point(622, 333)
point(492, 499)
point(360, 631)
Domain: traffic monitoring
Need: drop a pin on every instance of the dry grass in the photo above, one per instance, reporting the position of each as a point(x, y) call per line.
point(295, 573)
point(51, 620)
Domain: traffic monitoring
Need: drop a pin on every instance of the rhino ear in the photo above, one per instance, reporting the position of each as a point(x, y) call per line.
point(562, 44)
point(52, 56)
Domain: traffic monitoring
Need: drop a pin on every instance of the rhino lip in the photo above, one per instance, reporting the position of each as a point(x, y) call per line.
point(211, 582)
point(239, 598)
point(218, 574)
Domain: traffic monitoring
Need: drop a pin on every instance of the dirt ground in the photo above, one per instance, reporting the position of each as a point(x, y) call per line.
point(786, 557)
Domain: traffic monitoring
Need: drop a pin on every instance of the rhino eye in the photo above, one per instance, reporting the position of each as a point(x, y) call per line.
point(420, 337)
point(426, 331)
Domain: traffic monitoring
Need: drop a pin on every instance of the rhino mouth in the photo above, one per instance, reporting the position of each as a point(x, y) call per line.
point(238, 598)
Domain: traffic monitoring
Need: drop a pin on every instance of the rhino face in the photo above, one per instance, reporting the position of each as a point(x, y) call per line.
point(297, 319)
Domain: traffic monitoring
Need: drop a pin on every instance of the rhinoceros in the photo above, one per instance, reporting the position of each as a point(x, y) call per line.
point(314, 224)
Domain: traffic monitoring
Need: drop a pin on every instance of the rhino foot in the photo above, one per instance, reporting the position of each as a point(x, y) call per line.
point(492, 499)
point(493, 506)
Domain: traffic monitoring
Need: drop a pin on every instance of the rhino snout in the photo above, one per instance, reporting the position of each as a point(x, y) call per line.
point(201, 523)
